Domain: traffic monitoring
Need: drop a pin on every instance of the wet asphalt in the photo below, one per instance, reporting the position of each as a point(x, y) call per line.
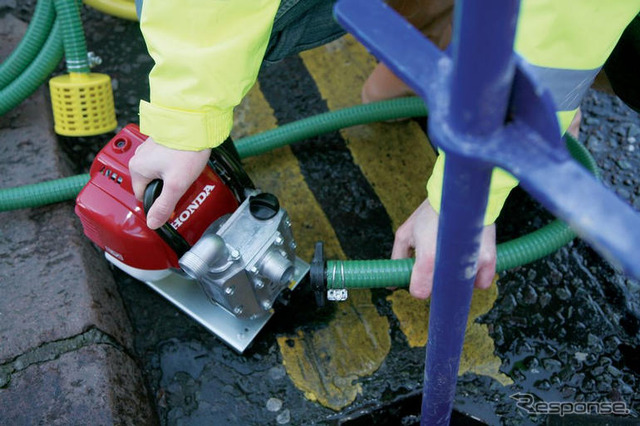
point(566, 328)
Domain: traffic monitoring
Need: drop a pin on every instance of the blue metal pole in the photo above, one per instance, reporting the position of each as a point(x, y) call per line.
point(481, 80)
point(483, 65)
point(464, 199)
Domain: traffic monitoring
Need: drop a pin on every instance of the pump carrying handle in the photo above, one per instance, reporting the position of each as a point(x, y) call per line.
point(167, 232)
point(226, 162)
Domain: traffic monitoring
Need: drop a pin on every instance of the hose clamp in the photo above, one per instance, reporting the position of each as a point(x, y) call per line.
point(94, 60)
point(338, 294)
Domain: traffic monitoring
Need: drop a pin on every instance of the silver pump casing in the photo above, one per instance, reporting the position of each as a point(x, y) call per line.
point(243, 262)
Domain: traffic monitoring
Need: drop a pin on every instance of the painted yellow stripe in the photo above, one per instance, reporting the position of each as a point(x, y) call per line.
point(323, 363)
point(326, 363)
point(477, 352)
point(397, 159)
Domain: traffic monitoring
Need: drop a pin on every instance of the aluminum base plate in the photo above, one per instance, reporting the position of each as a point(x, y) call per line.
point(187, 295)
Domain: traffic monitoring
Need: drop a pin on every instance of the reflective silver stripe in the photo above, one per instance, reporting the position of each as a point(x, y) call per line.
point(567, 87)
point(138, 4)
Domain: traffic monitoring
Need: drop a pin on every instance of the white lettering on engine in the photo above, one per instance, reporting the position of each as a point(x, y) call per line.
point(191, 208)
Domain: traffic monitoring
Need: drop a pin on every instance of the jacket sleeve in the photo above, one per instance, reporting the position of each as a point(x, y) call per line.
point(207, 55)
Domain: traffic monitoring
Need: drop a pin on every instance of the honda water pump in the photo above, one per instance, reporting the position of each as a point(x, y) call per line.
point(224, 257)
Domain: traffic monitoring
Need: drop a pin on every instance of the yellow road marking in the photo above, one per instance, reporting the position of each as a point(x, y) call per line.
point(477, 352)
point(396, 158)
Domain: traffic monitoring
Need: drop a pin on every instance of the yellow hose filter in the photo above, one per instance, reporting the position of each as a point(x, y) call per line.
point(82, 104)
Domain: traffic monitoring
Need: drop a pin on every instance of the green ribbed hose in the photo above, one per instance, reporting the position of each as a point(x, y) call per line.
point(40, 194)
point(352, 274)
point(339, 274)
point(581, 155)
point(30, 45)
point(35, 75)
point(330, 121)
point(18, 84)
point(520, 251)
point(376, 273)
point(75, 45)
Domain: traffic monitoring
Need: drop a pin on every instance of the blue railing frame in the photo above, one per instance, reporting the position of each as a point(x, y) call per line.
point(486, 110)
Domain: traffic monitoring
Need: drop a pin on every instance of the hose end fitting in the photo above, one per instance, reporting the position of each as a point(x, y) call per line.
point(317, 275)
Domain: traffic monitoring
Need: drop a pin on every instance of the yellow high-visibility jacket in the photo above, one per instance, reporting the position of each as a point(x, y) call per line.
point(207, 55)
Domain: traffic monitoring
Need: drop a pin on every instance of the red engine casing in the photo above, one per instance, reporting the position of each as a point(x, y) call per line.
point(114, 219)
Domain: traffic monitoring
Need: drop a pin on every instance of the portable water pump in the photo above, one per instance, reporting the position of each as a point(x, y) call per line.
point(224, 257)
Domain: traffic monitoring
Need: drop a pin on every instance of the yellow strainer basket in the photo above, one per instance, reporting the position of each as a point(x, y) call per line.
point(82, 104)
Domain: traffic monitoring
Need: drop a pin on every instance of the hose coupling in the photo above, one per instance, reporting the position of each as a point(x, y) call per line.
point(318, 278)
point(317, 275)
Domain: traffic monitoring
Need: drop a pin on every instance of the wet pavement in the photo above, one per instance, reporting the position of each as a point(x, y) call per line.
point(565, 328)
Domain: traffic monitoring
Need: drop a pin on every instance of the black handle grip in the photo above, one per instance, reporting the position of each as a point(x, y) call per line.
point(167, 232)
point(151, 193)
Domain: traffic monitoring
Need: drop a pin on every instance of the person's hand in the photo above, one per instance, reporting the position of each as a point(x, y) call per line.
point(418, 234)
point(177, 169)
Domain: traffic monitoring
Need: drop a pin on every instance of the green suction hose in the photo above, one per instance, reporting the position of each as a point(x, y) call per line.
point(328, 122)
point(75, 45)
point(30, 45)
point(41, 50)
point(339, 274)
point(43, 193)
point(35, 75)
